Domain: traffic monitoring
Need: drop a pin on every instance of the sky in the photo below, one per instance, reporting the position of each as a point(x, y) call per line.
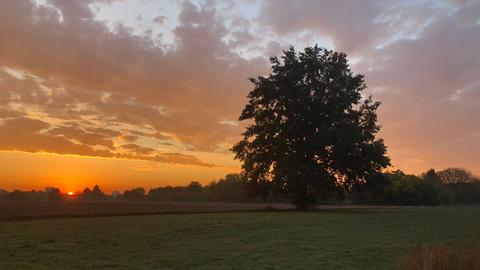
point(148, 92)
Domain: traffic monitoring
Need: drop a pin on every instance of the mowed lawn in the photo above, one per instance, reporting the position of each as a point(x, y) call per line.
point(325, 239)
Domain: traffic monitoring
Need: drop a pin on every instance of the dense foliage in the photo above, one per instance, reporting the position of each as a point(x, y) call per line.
point(232, 188)
point(430, 188)
point(312, 132)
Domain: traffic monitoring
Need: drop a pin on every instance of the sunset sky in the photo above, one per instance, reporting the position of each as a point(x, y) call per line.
point(148, 92)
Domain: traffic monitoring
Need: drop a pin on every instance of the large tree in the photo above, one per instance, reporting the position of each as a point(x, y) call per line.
point(311, 132)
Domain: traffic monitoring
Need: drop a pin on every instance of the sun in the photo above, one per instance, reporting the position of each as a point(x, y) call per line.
point(70, 193)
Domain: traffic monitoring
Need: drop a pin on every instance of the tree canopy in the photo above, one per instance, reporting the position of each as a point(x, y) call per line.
point(311, 131)
point(457, 175)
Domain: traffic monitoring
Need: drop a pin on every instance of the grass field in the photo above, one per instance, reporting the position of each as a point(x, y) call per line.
point(11, 210)
point(326, 239)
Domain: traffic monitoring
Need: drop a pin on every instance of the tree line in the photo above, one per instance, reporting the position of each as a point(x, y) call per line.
point(452, 185)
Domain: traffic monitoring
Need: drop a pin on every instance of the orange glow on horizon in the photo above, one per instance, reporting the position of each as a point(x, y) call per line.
point(74, 173)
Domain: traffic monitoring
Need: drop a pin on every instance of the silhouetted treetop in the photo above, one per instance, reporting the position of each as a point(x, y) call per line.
point(456, 175)
point(95, 194)
point(53, 194)
point(136, 194)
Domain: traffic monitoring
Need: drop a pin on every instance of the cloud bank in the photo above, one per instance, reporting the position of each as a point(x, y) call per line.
point(73, 84)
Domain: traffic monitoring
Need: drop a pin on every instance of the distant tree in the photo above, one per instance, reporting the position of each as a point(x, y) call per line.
point(460, 185)
point(86, 194)
point(407, 189)
point(456, 175)
point(428, 192)
point(195, 186)
point(374, 191)
point(136, 194)
point(312, 133)
point(36, 195)
point(3, 194)
point(432, 179)
point(195, 191)
point(431, 176)
point(397, 172)
point(92, 195)
point(232, 188)
point(18, 195)
point(229, 189)
point(97, 192)
point(465, 192)
point(53, 194)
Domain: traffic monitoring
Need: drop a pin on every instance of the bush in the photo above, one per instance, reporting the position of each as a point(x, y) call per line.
point(405, 189)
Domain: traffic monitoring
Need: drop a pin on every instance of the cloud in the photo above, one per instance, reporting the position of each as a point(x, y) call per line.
point(419, 58)
point(33, 135)
point(137, 148)
point(103, 91)
point(78, 70)
point(25, 134)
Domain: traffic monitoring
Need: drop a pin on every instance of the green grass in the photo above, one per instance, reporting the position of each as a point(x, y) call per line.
point(328, 239)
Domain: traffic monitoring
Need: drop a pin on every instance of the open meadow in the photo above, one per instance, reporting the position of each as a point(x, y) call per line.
point(43, 209)
point(324, 239)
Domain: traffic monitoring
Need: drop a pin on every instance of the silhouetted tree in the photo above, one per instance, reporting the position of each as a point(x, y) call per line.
point(36, 195)
point(456, 175)
point(313, 133)
point(195, 186)
point(18, 195)
point(433, 181)
point(3, 194)
point(92, 195)
point(136, 194)
point(460, 185)
point(85, 194)
point(97, 192)
point(195, 191)
point(373, 191)
point(431, 176)
point(229, 189)
point(53, 194)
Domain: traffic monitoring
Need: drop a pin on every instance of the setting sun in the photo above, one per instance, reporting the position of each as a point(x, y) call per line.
point(70, 193)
